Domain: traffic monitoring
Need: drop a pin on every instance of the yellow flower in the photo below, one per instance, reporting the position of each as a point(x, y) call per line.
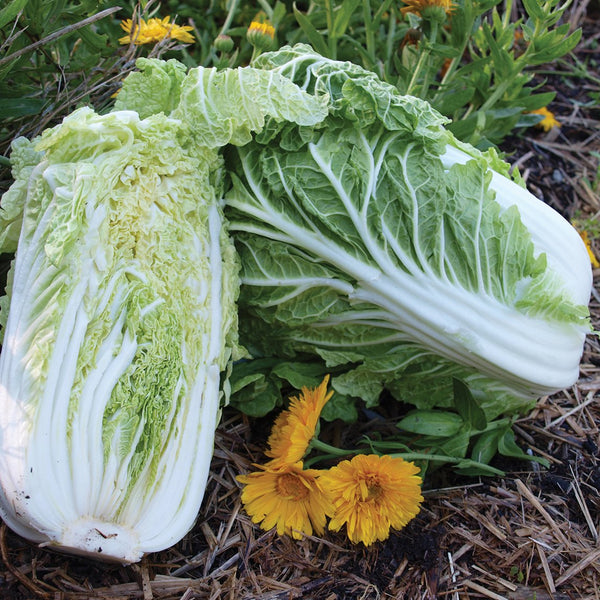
point(548, 122)
point(261, 33)
point(295, 427)
point(287, 497)
point(588, 246)
point(370, 494)
point(155, 30)
point(422, 7)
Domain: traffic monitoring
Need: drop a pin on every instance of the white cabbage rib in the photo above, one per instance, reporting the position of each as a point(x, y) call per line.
point(122, 309)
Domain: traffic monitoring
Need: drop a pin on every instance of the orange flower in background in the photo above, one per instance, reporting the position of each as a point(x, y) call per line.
point(295, 427)
point(155, 30)
point(421, 7)
point(371, 494)
point(445, 66)
point(548, 122)
point(287, 497)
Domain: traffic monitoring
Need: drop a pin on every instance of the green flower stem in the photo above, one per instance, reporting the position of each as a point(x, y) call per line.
point(422, 63)
point(390, 44)
point(412, 456)
point(331, 452)
point(331, 39)
point(369, 37)
point(267, 9)
point(317, 444)
point(229, 18)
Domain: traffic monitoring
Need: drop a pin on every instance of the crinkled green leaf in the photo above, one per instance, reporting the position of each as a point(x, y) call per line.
point(154, 88)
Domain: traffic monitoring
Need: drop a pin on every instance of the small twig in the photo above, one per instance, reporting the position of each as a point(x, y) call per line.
point(583, 506)
point(484, 591)
point(585, 562)
point(571, 412)
point(58, 34)
point(525, 491)
point(546, 567)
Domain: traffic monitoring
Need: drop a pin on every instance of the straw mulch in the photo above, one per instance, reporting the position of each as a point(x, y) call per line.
point(530, 534)
point(533, 533)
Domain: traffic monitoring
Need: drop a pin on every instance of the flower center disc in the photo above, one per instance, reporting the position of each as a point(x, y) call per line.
point(370, 489)
point(291, 486)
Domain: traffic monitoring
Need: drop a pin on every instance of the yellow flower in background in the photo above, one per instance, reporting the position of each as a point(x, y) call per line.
point(422, 7)
point(287, 497)
point(155, 30)
point(548, 122)
point(261, 34)
point(588, 246)
point(262, 29)
point(371, 494)
point(295, 427)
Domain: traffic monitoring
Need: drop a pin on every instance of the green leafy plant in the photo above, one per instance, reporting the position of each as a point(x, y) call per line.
point(54, 54)
point(475, 67)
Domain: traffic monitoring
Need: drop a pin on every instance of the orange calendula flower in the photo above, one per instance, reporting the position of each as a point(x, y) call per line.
point(371, 494)
point(287, 497)
point(295, 427)
point(155, 30)
point(424, 8)
point(549, 121)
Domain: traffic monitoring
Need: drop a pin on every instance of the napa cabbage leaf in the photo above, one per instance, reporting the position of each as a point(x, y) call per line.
point(399, 257)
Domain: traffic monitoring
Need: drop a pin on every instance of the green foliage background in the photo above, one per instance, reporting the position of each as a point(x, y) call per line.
point(475, 65)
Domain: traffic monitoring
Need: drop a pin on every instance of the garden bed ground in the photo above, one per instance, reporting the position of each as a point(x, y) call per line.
point(533, 533)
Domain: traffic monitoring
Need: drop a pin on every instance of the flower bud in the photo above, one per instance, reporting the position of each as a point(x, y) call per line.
point(261, 35)
point(223, 43)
